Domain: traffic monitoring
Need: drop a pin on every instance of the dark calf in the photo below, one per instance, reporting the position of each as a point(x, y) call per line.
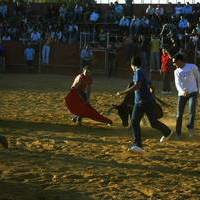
point(125, 108)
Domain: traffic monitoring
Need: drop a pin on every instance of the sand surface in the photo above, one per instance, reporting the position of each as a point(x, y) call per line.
point(50, 158)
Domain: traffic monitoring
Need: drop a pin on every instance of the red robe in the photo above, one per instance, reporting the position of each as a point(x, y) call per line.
point(78, 106)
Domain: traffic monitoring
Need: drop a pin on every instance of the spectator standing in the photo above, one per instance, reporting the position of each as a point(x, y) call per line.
point(165, 71)
point(78, 12)
point(135, 25)
point(46, 49)
point(62, 11)
point(150, 11)
point(119, 9)
point(35, 36)
point(159, 11)
point(29, 54)
point(187, 81)
point(155, 53)
point(124, 24)
point(86, 56)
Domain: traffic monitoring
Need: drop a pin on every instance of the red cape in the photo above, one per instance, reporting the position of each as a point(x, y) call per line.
point(78, 106)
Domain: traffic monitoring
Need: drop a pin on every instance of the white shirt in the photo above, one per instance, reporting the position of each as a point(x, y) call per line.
point(187, 79)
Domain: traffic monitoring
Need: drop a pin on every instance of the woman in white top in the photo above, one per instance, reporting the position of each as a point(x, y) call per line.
point(187, 81)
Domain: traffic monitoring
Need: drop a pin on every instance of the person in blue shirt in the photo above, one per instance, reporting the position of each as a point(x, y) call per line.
point(29, 54)
point(144, 103)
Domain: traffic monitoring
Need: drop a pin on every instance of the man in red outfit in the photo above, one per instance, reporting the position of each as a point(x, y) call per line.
point(165, 71)
point(83, 83)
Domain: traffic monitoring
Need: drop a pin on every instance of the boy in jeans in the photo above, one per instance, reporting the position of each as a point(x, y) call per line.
point(144, 104)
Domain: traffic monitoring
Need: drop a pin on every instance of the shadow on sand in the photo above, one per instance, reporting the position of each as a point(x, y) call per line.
point(15, 191)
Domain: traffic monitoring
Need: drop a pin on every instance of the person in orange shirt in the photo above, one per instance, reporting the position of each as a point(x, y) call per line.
point(165, 71)
point(82, 83)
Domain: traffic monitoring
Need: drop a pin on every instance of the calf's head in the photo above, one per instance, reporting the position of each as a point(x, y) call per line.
point(123, 113)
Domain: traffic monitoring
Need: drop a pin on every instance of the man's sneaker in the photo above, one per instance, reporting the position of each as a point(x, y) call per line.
point(191, 132)
point(74, 119)
point(163, 138)
point(136, 149)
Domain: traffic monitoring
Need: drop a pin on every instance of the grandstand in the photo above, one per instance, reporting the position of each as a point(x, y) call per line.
point(71, 26)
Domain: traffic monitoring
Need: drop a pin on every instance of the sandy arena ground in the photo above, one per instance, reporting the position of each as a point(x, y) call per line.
point(50, 158)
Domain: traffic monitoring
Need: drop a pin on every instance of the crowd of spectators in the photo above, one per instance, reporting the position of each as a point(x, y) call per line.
point(177, 26)
point(64, 22)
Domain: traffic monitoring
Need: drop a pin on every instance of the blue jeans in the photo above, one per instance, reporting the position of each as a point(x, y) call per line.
point(138, 112)
point(182, 100)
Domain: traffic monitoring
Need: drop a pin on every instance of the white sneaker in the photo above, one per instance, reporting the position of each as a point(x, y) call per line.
point(136, 149)
point(163, 138)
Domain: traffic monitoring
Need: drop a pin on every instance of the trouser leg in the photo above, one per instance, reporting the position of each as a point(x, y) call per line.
point(180, 110)
point(137, 115)
point(192, 110)
point(155, 123)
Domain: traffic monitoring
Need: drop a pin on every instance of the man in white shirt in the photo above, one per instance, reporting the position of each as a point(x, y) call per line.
point(187, 81)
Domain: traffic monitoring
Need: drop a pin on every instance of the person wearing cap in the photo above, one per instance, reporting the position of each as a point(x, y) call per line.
point(144, 104)
point(82, 83)
point(187, 81)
